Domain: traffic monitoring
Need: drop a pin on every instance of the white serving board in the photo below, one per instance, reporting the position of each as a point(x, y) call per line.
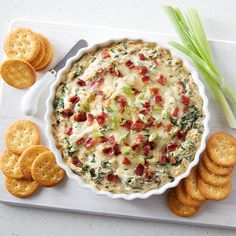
point(69, 196)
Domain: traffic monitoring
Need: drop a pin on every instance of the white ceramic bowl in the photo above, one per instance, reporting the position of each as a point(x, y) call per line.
point(72, 175)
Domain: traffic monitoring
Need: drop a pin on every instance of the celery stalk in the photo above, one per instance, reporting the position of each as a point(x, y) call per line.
point(195, 45)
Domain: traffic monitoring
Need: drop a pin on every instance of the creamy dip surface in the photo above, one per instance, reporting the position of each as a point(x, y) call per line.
point(128, 117)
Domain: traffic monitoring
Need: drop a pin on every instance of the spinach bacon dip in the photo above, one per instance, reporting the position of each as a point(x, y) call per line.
point(128, 117)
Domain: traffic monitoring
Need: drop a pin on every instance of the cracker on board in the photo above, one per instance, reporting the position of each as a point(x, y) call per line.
point(214, 168)
point(10, 165)
point(21, 135)
point(21, 188)
point(184, 198)
point(39, 56)
point(27, 158)
point(46, 60)
point(211, 178)
point(45, 170)
point(212, 192)
point(221, 148)
point(177, 207)
point(191, 187)
point(22, 43)
point(18, 73)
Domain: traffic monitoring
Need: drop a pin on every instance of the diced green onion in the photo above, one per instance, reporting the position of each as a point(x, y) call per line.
point(152, 137)
point(157, 108)
point(127, 90)
point(125, 150)
point(97, 134)
point(142, 118)
point(141, 159)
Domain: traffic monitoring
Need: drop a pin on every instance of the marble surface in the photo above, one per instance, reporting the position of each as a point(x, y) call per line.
point(219, 20)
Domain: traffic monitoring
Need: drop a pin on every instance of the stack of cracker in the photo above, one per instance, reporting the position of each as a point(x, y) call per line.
point(27, 53)
point(210, 180)
point(26, 164)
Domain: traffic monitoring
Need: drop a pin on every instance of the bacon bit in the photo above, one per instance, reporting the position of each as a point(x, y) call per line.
point(102, 139)
point(180, 83)
point(135, 146)
point(67, 112)
point(142, 69)
point(181, 135)
point(154, 91)
point(158, 99)
point(138, 125)
point(185, 110)
point(145, 78)
point(112, 70)
point(168, 127)
point(101, 118)
point(172, 146)
point(171, 160)
point(139, 170)
point(136, 91)
point(116, 150)
point(155, 62)
point(122, 103)
point(89, 143)
point(80, 82)
point(158, 124)
point(126, 161)
point(120, 75)
point(108, 151)
point(140, 138)
point(175, 112)
point(105, 55)
point(162, 80)
point(82, 116)
point(185, 100)
point(112, 140)
point(69, 131)
point(141, 56)
point(113, 178)
point(80, 141)
point(150, 122)
point(129, 64)
point(76, 162)
point(100, 92)
point(127, 124)
point(99, 81)
point(152, 145)
point(74, 99)
point(144, 111)
point(149, 175)
point(100, 70)
point(162, 160)
point(146, 164)
point(146, 150)
point(147, 104)
point(90, 119)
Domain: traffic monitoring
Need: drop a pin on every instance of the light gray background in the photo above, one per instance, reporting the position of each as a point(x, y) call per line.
point(220, 22)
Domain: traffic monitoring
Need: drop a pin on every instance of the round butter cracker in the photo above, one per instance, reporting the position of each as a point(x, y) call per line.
point(18, 73)
point(27, 158)
point(22, 43)
point(21, 135)
point(45, 171)
point(191, 187)
point(184, 198)
point(47, 58)
point(211, 178)
point(10, 165)
point(212, 192)
point(221, 148)
point(214, 168)
point(21, 188)
point(177, 207)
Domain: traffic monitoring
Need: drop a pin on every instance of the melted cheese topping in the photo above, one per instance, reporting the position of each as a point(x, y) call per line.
point(128, 117)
